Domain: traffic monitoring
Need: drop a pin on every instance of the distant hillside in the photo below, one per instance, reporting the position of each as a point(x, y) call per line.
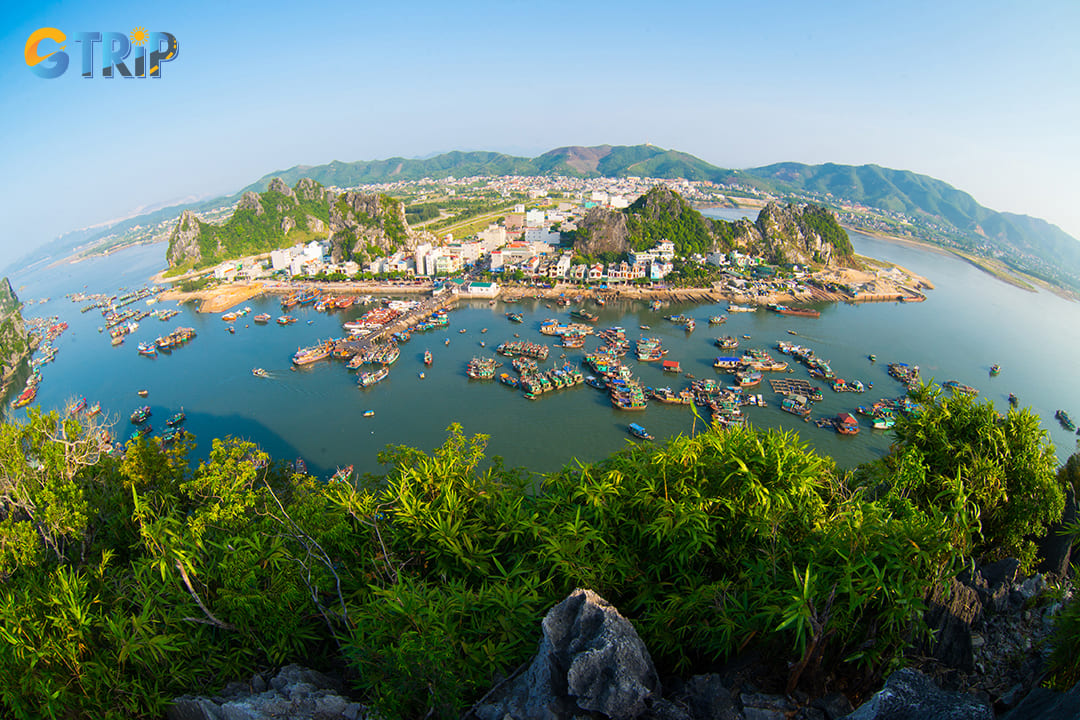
point(1029, 244)
point(800, 234)
point(574, 161)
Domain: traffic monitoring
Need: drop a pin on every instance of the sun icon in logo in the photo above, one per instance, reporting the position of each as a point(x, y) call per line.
point(139, 36)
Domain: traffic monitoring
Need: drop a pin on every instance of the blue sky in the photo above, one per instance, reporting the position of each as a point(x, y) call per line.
point(983, 95)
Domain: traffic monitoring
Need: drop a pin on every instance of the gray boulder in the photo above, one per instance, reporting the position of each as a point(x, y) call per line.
point(590, 660)
point(951, 611)
point(1047, 705)
point(910, 695)
point(295, 693)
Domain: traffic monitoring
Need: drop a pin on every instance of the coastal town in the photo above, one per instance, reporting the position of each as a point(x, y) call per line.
point(523, 248)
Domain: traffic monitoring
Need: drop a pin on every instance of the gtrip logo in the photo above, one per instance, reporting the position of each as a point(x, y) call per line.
point(114, 49)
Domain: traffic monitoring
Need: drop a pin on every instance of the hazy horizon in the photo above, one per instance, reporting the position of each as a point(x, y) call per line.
point(974, 94)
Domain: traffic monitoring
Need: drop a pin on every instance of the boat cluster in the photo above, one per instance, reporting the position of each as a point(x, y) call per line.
point(168, 342)
point(174, 426)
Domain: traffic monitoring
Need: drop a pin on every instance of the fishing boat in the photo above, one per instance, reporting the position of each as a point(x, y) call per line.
point(427, 358)
point(960, 388)
point(639, 432)
point(995, 369)
point(286, 320)
point(25, 397)
point(800, 312)
point(368, 379)
point(143, 393)
point(515, 317)
point(796, 405)
point(727, 342)
point(140, 415)
point(308, 355)
point(93, 410)
point(140, 432)
point(508, 379)
point(1065, 420)
point(732, 308)
point(262, 318)
point(230, 316)
point(846, 424)
point(148, 349)
point(872, 357)
point(369, 413)
point(343, 474)
point(689, 325)
point(481, 368)
point(420, 374)
point(717, 319)
point(176, 419)
point(299, 466)
point(1013, 400)
point(585, 315)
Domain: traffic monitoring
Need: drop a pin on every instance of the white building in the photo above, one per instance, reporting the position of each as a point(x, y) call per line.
point(491, 238)
point(542, 236)
point(279, 259)
point(618, 201)
point(665, 250)
point(481, 289)
point(534, 219)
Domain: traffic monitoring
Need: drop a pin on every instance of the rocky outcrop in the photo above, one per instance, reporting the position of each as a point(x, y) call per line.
point(590, 660)
point(295, 693)
point(184, 240)
point(261, 222)
point(798, 234)
point(14, 339)
point(602, 231)
point(251, 201)
point(365, 225)
point(910, 695)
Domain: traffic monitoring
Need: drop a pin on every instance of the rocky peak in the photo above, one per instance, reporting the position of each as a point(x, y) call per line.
point(278, 185)
point(363, 223)
point(308, 189)
point(184, 239)
point(250, 201)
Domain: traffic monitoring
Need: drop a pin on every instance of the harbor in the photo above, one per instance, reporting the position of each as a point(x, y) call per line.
point(318, 410)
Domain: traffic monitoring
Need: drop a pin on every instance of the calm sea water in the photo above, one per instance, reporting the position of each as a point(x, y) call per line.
point(969, 322)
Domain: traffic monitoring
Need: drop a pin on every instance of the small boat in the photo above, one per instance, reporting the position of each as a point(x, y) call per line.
point(148, 349)
point(639, 432)
point(846, 424)
point(427, 357)
point(231, 330)
point(960, 387)
point(995, 369)
point(230, 316)
point(299, 466)
point(343, 474)
point(262, 318)
point(421, 374)
point(1065, 420)
point(286, 320)
point(140, 415)
point(462, 330)
point(644, 327)
point(259, 372)
point(1013, 400)
point(93, 410)
point(143, 393)
point(792, 332)
point(369, 413)
point(872, 357)
point(176, 419)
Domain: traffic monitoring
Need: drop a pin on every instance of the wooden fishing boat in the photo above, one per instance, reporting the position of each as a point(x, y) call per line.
point(639, 432)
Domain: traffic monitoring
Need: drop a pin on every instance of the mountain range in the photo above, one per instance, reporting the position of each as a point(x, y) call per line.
point(904, 201)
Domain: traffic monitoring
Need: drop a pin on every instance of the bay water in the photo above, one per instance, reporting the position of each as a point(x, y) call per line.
point(969, 322)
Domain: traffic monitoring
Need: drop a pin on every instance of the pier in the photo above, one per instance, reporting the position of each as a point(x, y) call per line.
point(444, 299)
